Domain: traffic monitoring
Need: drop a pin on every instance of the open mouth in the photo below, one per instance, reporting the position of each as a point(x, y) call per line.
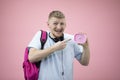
point(59, 31)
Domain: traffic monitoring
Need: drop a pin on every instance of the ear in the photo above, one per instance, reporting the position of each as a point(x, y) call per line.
point(47, 23)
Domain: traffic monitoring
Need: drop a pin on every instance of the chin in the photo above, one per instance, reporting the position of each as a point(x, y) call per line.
point(58, 35)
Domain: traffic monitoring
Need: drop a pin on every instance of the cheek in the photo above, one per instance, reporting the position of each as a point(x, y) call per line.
point(51, 27)
point(64, 27)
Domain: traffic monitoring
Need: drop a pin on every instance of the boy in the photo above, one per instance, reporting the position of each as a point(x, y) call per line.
point(59, 50)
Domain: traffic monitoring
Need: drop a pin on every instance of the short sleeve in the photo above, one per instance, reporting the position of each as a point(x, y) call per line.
point(78, 49)
point(35, 42)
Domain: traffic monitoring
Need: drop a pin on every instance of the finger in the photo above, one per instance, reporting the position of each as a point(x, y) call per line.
point(66, 40)
point(83, 33)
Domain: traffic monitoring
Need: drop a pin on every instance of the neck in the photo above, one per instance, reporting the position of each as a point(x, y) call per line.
point(56, 39)
point(53, 36)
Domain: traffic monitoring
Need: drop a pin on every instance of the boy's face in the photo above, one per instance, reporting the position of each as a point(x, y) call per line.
point(57, 26)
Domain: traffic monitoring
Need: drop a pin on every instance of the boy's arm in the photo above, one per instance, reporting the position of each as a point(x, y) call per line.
point(36, 55)
point(85, 55)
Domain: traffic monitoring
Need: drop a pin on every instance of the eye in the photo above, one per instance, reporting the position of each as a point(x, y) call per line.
point(61, 23)
point(55, 23)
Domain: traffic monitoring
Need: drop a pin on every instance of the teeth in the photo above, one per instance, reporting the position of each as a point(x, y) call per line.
point(58, 30)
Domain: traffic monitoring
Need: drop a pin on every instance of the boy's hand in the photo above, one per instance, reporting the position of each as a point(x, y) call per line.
point(61, 44)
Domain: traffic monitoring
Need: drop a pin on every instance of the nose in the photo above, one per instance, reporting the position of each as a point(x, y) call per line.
point(59, 26)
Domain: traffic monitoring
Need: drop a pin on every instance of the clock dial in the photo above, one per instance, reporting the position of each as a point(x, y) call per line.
point(80, 38)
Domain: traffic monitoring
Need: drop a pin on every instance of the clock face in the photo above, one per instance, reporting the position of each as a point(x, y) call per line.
point(80, 38)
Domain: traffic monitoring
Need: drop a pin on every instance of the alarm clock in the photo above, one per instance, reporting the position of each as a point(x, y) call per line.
point(80, 38)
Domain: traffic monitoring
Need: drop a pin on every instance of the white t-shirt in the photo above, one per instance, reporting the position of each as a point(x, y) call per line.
point(58, 65)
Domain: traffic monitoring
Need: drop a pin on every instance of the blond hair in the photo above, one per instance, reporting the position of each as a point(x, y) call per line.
point(56, 14)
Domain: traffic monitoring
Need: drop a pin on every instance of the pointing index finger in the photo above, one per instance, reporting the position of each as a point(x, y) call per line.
point(66, 40)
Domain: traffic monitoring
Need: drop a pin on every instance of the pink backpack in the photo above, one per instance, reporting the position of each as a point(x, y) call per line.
point(31, 70)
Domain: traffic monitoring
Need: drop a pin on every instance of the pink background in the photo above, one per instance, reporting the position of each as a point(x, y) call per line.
point(100, 19)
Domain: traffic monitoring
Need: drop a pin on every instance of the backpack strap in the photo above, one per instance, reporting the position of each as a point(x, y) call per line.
point(43, 40)
point(26, 54)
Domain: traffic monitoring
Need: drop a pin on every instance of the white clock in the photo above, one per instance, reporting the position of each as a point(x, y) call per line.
point(80, 38)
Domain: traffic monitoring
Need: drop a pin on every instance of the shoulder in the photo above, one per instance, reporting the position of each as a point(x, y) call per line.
point(38, 33)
